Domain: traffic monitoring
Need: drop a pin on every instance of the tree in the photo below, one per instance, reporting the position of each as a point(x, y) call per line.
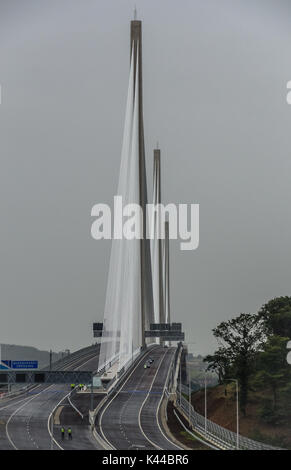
point(276, 315)
point(218, 363)
point(240, 340)
point(273, 369)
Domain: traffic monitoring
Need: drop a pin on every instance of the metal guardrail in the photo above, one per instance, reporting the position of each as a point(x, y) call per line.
point(215, 433)
point(75, 355)
point(170, 383)
point(184, 389)
point(212, 446)
point(109, 385)
point(71, 395)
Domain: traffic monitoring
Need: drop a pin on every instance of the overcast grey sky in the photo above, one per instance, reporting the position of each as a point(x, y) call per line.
point(215, 75)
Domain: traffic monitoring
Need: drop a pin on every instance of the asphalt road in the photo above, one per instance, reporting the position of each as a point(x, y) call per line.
point(131, 419)
point(24, 419)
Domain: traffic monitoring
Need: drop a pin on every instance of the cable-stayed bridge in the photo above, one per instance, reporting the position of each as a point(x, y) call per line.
point(136, 365)
point(137, 297)
point(138, 273)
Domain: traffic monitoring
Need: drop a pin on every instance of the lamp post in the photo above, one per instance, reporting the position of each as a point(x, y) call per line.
point(237, 412)
point(189, 390)
point(189, 393)
point(180, 383)
point(52, 431)
point(205, 403)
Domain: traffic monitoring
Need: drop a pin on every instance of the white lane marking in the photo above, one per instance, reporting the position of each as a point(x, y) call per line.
point(35, 396)
point(51, 414)
point(28, 432)
point(100, 419)
point(14, 403)
point(157, 411)
point(157, 414)
point(16, 411)
point(50, 418)
point(123, 408)
point(143, 403)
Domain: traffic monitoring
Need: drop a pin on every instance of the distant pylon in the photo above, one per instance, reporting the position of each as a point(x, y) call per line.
point(157, 244)
point(166, 264)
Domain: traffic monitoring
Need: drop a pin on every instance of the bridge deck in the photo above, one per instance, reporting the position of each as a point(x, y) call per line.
point(131, 419)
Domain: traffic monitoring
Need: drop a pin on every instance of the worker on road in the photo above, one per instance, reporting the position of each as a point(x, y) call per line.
point(69, 433)
point(63, 433)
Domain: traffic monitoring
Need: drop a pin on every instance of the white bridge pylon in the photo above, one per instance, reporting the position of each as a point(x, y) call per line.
point(130, 306)
point(122, 330)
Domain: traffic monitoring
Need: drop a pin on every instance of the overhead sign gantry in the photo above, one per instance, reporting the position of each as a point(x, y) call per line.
point(45, 377)
point(166, 331)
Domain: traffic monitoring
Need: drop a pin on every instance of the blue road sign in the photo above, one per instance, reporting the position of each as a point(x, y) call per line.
point(24, 364)
point(21, 364)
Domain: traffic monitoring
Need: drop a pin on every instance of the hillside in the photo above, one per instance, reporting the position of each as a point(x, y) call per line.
point(221, 409)
point(27, 353)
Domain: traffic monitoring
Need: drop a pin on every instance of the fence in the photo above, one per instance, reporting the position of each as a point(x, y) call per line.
point(172, 376)
point(215, 433)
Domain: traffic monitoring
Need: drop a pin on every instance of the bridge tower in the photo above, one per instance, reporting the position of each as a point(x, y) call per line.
point(145, 256)
point(157, 245)
point(167, 275)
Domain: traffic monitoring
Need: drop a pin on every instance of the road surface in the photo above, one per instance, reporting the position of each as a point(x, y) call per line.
point(131, 418)
point(24, 419)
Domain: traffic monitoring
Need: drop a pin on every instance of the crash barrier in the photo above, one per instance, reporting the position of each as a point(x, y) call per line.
point(224, 438)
